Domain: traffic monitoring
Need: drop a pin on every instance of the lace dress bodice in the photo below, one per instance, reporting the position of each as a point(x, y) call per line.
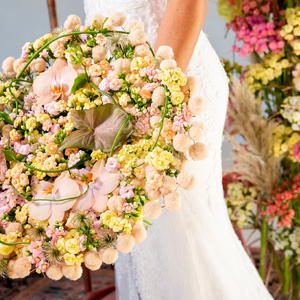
point(192, 253)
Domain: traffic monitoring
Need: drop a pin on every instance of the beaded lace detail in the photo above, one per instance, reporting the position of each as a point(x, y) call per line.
point(192, 253)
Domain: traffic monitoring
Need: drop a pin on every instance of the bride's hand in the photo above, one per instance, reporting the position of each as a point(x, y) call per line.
point(180, 28)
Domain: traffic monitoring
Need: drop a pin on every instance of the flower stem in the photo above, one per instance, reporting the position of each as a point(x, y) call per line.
point(119, 133)
point(152, 51)
point(147, 221)
point(263, 247)
point(286, 275)
point(58, 200)
point(50, 171)
point(14, 244)
point(161, 121)
point(103, 93)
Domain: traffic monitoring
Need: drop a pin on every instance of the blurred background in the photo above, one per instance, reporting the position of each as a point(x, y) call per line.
point(25, 21)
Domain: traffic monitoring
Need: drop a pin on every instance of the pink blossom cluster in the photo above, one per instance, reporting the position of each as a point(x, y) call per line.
point(296, 153)
point(8, 200)
point(151, 73)
point(38, 258)
point(112, 165)
point(126, 192)
point(25, 51)
point(143, 123)
point(255, 31)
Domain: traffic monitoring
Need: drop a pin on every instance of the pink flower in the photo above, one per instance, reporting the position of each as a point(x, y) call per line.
point(50, 231)
point(235, 48)
point(101, 183)
point(36, 248)
point(116, 84)
point(154, 180)
point(43, 265)
point(3, 166)
point(44, 54)
point(128, 207)
point(106, 100)
point(84, 36)
point(50, 109)
point(153, 74)
point(63, 187)
point(104, 85)
point(47, 124)
point(153, 109)
point(97, 226)
point(54, 83)
point(21, 148)
point(82, 238)
point(143, 123)
point(54, 128)
point(112, 165)
point(127, 192)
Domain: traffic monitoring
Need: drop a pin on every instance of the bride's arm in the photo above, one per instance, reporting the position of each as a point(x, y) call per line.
point(180, 28)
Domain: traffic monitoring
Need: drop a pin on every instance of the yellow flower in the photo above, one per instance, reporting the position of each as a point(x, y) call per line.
point(61, 245)
point(70, 259)
point(72, 246)
point(79, 259)
point(137, 64)
point(98, 155)
point(160, 159)
point(22, 215)
point(12, 237)
point(72, 234)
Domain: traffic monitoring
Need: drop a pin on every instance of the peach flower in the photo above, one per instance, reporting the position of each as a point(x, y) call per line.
point(167, 131)
point(101, 183)
point(154, 180)
point(54, 83)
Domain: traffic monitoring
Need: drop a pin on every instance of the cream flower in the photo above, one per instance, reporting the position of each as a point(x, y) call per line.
point(63, 187)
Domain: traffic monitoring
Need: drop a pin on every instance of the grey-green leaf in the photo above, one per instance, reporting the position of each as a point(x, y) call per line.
point(97, 128)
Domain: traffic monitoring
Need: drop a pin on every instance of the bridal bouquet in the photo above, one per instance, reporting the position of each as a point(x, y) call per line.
point(264, 109)
point(95, 128)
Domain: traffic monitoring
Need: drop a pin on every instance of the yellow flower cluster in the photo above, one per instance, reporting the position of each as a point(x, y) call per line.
point(111, 219)
point(8, 96)
point(98, 155)
point(238, 205)
point(137, 64)
point(174, 79)
point(129, 154)
point(80, 99)
point(291, 31)
point(22, 214)
point(31, 124)
point(284, 140)
point(69, 247)
point(39, 43)
point(160, 159)
point(5, 250)
point(265, 72)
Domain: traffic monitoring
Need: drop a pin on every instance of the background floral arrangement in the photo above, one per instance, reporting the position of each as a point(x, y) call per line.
point(264, 111)
point(95, 128)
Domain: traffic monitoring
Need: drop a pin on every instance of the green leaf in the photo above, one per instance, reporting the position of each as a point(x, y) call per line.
point(20, 157)
point(97, 128)
point(4, 116)
point(79, 82)
point(227, 10)
point(9, 155)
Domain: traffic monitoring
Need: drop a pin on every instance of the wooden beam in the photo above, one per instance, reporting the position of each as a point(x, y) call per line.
point(52, 13)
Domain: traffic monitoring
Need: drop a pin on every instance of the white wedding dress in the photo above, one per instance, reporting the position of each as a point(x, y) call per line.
point(192, 253)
